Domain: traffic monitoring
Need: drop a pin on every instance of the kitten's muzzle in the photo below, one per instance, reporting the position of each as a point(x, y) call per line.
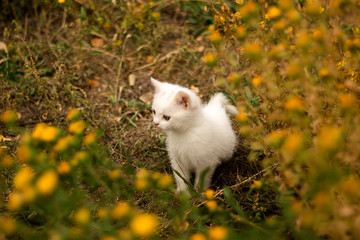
point(156, 123)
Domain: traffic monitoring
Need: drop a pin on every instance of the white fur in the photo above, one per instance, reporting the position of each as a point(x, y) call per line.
point(198, 136)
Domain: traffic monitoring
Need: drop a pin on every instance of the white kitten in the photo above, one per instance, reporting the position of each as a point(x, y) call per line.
point(198, 136)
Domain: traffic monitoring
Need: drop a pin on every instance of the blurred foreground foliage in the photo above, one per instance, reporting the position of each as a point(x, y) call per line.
point(293, 68)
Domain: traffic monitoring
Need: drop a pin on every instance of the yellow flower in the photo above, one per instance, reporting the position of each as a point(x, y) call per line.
point(8, 117)
point(141, 184)
point(211, 205)
point(294, 103)
point(313, 8)
point(114, 174)
point(102, 213)
point(121, 210)
point(73, 114)
point(293, 143)
point(275, 138)
point(215, 37)
point(347, 100)
point(285, 4)
point(144, 225)
point(90, 138)
point(77, 127)
point(6, 161)
point(61, 1)
point(256, 184)
point(241, 116)
point(210, 59)
point(293, 70)
point(249, 10)
point(293, 15)
point(82, 216)
point(28, 193)
point(324, 72)
point(15, 201)
point(7, 225)
point(23, 177)
point(63, 167)
point(256, 81)
point(63, 143)
point(253, 50)
point(209, 194)
point(234, 77)
point(217, 233)
point(240, 33)
point(329, 137)
point(303, 40)
point(44, 132)
point(47, 182)
point(81, 156)
point(155, 16)
point(198, 236)
point(278, 50)
point(124, 234)
point(165, 181)
point(273, 12)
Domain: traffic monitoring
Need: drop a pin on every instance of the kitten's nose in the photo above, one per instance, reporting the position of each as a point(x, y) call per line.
point(156, 123)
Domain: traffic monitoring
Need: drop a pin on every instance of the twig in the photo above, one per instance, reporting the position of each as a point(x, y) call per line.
point(117, 91)
point(220, 192)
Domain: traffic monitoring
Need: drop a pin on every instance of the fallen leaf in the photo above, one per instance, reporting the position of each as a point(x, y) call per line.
point(3, 47)
point(132, 79)
point(97, 42)
point(194, 89)
point(93, 83)
point(4, 139)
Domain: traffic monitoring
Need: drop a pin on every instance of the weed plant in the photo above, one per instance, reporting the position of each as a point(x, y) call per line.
point(292, 67)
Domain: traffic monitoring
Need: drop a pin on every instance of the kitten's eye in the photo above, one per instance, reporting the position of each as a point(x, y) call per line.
point(167, 118)
point(154, 112)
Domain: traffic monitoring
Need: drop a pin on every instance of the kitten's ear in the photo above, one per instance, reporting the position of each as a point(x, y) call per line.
point(156, 84)
point(183, 99)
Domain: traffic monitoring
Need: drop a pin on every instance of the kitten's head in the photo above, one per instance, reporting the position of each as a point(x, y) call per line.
point(173, 106)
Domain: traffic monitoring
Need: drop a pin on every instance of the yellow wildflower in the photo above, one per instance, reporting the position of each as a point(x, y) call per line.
point(8, 117)
point(256, 81)
point(81, 156)
point(197, 236)
point(347, 100)
point(165, 181)
point(256, 184)
point(114, 174)
point(218, 233)
point(102, 213)
point(63, 143)
point(275, 138)
point(124, 234)
point(73, 114)
point(45, 132)
point(61, 1)
point(121, 210)
point(293, 143)
point(234, 77)
point(210, 59)
point(293, 15)
point(293, 70)
point(15, 201)
point(144, 225)
point(240, 33)
point(6, 161)
point(313, 7)
point(329, 137)
point(23, 177)
point(7, 225)
point(209, 193)
point(273, 12)
point(90, 138)
point(82, 216)
point(211, 205)
point(253, 50)
point(215, 37)
point(141, 184)
point(77, 127)
point(285, 4)
point(294, 103)
point(63, 167)
point(241, 116)
point(249, 10)
point(324, 72)
point(47, 182)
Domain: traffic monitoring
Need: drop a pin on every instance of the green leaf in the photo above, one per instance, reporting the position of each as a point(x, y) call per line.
point(233, 204)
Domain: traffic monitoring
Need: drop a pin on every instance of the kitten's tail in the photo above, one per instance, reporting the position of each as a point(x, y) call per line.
point(220, 98)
